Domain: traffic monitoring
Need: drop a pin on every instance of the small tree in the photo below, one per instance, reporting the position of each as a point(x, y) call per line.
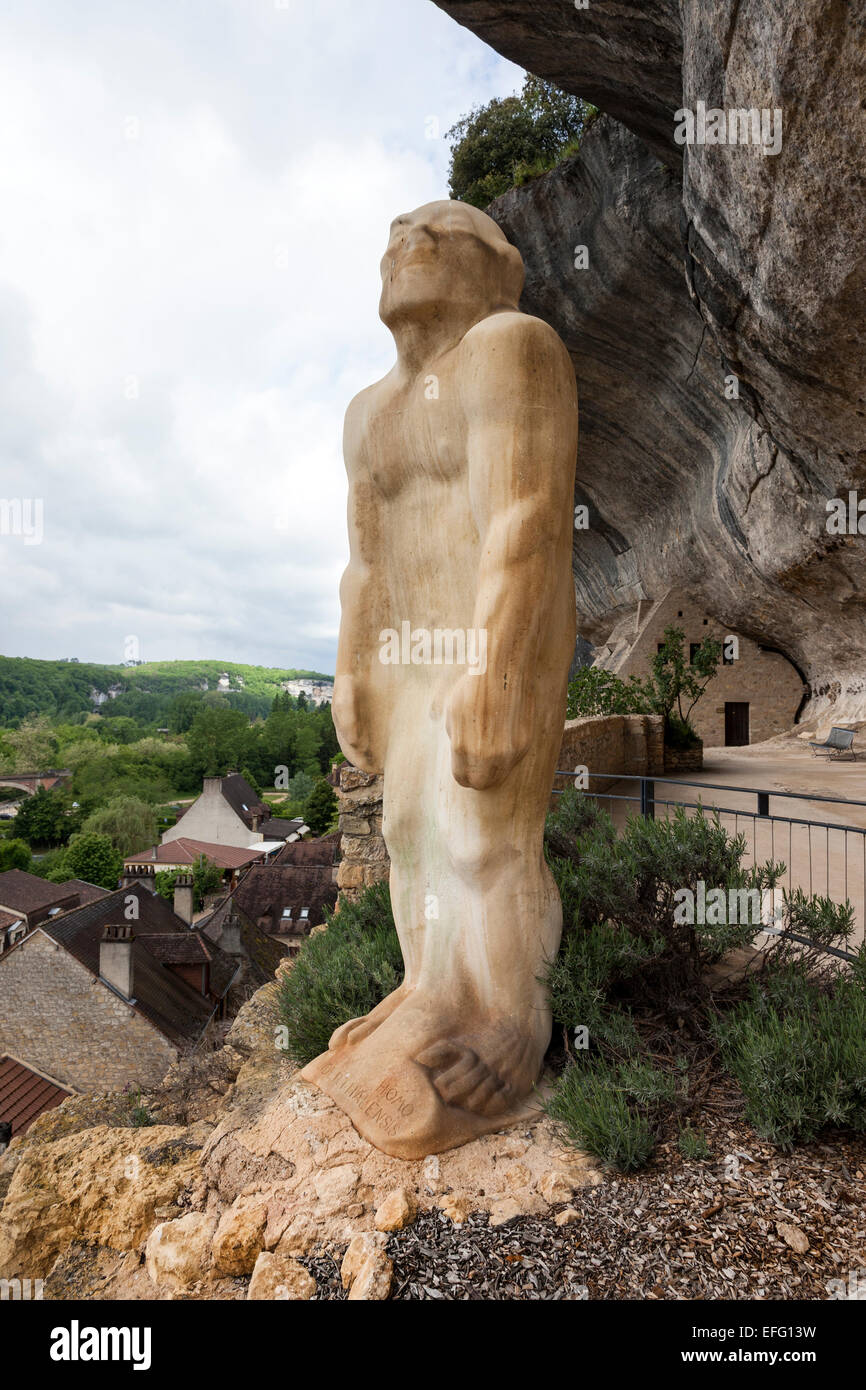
point(672, 688)
point(320, 807)
point(129, 823)
point(206, 878)
point(42, 819)
point(676, 682)
point(93, 858)
point(594, 691)
point(14, 854)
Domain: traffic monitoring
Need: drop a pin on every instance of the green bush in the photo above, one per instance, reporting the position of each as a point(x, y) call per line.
point(207, 878)
point(93, 858)
point(320, 808)
point(591, 1102)
point(14, 854)
point(798, 1053)
point(624, 888)
point(340, 973)
point(675, 684)
point(592, 691)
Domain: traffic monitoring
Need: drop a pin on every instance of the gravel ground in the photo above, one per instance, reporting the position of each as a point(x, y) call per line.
point(749, 1222)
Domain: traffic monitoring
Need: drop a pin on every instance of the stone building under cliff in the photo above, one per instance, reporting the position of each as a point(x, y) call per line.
point(753, 696)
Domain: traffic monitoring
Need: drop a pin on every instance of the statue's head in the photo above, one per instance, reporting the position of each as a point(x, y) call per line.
point(447, 257)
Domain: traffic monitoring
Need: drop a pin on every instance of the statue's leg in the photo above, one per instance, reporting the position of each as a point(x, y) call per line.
point(406, 831)
point(478, 915)
point(500, 896)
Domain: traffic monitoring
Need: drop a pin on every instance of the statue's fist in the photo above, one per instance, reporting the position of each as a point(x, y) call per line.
point(489, 731)
point(352, 722)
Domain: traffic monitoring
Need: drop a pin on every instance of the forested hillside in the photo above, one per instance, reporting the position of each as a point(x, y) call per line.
point(68, 689)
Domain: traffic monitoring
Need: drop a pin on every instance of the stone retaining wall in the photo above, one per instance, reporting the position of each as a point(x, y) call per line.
point(616, 743)
point(364, 856)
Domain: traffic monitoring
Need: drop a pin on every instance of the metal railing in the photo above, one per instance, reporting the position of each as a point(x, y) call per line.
point(835, 869)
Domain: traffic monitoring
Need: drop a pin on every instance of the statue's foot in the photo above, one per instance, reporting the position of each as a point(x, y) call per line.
point(358, 1028)
point(414, 1086)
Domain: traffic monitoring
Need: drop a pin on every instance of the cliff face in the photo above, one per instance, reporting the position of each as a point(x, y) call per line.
point(708, 263)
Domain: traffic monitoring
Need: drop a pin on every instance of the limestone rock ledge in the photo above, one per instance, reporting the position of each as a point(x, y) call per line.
point(170, 1211)
point(722, 264)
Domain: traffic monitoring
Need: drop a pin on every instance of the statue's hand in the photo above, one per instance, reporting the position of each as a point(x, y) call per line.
point(490, 731)
point(351, 713)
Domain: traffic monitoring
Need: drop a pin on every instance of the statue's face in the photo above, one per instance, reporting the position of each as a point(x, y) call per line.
point(439, 256)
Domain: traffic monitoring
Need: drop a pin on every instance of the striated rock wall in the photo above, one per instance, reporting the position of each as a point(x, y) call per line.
point(725, 262)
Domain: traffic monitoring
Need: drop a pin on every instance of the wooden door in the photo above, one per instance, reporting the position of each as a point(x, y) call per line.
point(736, 723)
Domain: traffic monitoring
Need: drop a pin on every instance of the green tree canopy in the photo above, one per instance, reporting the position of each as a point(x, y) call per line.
point(129, 823)
point(674, 686)
point(42, 819)
point(320, 807)
point(14, 854)
point(32, 747)
point(217, 741)
point(206, 878)
point(93, 858)
point(512, 138)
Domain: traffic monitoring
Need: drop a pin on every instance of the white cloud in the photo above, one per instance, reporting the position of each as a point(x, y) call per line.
point(195, 202)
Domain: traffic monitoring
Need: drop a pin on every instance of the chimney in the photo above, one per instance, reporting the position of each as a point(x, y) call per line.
point(183, 897)
point(115, 957)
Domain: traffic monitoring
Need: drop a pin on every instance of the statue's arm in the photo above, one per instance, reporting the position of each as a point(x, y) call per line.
point(520, 400)
point(353, 706)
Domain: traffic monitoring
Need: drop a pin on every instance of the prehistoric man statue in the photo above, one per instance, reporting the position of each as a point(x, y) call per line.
point(461, 477)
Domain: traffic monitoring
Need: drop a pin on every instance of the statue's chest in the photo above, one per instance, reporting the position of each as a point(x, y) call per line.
point(409, 439)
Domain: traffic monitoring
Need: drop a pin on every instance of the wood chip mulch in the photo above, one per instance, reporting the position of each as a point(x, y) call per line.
point(747, 1223)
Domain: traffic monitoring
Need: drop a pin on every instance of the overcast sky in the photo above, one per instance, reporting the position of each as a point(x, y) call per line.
point(195, 197)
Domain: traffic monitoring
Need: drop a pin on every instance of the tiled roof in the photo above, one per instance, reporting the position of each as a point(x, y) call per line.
point(80, 930)
point(7, 919)
point(267, 890)
point(87, 892)
point(172, 948)
point(324, 850)
point(178, 1010)
point(23, 892)
point(183, 850)
point(24, 1094)
point(263, 953)
point(240, 796)
point(278, 828)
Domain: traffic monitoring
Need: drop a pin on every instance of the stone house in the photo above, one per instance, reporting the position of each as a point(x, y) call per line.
point(229, 812)
point(281, 901)
point(182, 854)
point(26, 900)
point(111, 992)
point(755, 694)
